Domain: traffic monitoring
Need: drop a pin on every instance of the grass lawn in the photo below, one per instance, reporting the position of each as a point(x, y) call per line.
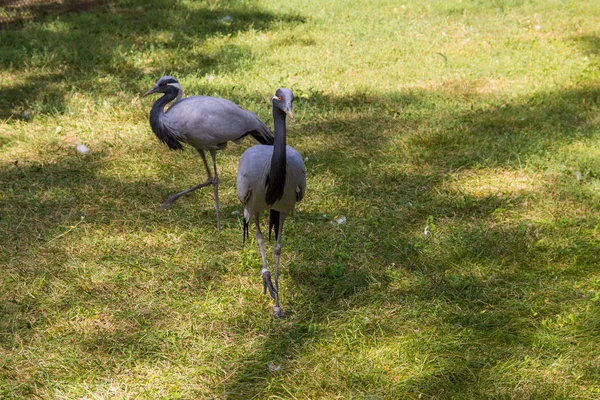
point(459, 138)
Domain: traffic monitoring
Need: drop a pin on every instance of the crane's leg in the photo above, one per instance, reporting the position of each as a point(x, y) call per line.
point(277, 253)
point(266, 274)
point(173, 198)
point(215, 182)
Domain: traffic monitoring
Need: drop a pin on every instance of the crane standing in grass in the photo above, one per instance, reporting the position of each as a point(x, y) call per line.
point(272, 178)
point(205, 123)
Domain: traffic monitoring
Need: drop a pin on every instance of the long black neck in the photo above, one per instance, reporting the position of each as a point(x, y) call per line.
point(276, 177)
point(157, 113)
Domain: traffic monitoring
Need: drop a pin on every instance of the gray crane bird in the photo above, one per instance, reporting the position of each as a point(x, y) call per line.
point(205, 123)
point(272, 178)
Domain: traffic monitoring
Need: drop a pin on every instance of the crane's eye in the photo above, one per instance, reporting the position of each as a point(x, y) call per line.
point(279, 98)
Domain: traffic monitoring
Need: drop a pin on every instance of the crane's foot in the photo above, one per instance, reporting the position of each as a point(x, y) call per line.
point(173, 198)
point(169, 201)
point(268, 284)
point(277, 313)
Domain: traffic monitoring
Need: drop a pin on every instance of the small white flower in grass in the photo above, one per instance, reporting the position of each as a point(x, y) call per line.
point(538, 27)
point(306, 158)
point(225, 18)
point(82, 148)
point(274, 368)
point(426, 231)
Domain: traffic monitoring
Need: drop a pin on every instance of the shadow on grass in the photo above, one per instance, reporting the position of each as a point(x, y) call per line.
point(590, 43)
point(70, 58)
point(14, 12)
point(488, 276)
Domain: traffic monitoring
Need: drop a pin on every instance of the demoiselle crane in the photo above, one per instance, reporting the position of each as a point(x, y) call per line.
point(206, 124)
point(272, 178)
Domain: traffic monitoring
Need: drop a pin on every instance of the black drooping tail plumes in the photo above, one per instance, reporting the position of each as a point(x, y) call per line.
point(263, 134)
point(274, 223)
point(260, 138)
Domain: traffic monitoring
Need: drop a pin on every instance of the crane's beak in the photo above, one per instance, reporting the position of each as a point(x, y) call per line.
point(289, 113)
point(153, 90)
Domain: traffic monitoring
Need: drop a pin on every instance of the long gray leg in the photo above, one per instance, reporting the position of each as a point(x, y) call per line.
point(266, 274)
point(277, 253)
point(215, 181)
point(173, 198)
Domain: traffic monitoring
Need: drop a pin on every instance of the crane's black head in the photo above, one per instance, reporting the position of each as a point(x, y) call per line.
point(283, 100)
point(165, 84)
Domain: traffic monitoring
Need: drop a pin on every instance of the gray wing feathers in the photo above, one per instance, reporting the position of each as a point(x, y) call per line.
point(208, 122)
point(253, 169)
point(297, 171)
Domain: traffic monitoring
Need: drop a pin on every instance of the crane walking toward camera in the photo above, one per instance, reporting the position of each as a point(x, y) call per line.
point(205, 123)
point(272, 178)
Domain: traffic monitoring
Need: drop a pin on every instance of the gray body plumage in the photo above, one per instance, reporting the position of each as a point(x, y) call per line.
point(253, 169)
point(209, 123)
point(205, 123)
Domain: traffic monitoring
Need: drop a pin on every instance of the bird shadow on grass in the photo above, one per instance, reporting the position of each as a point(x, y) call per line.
point(486, 276)
point(73, 61)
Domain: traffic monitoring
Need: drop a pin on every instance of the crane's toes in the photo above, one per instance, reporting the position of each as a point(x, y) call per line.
point(277, 313)
point(268, 284)
point(169, 202)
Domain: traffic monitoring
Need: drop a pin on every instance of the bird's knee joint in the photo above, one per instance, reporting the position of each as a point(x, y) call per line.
point(277, 250)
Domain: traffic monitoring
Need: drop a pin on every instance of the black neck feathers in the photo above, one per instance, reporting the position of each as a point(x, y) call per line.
point(276, 177)
point(157, 113)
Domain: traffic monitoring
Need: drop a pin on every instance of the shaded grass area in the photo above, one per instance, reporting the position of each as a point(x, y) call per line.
point(14, 12)
point(467, 267)
point(143, 40)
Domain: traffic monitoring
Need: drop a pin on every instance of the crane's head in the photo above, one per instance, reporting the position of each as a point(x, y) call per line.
point(283, 100)
point(165, 85)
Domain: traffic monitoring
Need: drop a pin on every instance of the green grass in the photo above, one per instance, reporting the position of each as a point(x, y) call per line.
point(477, 119)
